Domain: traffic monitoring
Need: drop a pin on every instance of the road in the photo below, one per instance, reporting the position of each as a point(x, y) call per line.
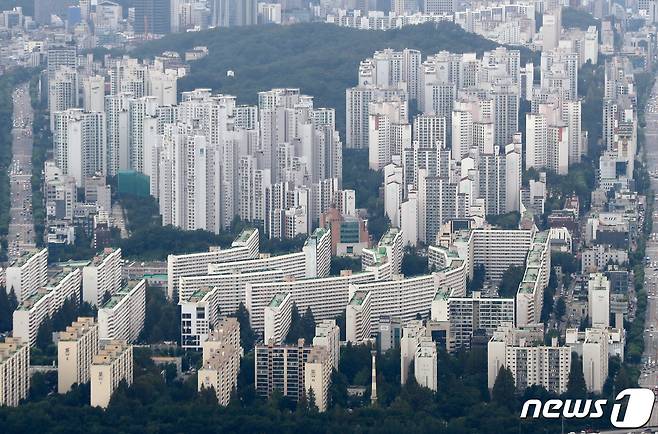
point(649, 375)
point(21, 226)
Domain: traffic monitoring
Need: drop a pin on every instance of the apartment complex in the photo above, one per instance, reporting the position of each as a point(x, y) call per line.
point(76, 348)
point(221, 360)
point(281, 367)
point(122, 316)
point(27, 273)
point(112, 364)
point(44, 303)
point(530, 361)
point(278, 317)
point(14, 371)
point(102, 277)
point(245, 246)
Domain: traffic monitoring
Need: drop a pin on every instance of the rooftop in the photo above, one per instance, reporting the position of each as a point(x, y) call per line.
point(32, 300)
point(244, 235)
point(116, 298)
point(96, 260)
point(317, 234)
point(199, 294)
point(388, 238)
point(72, 264)
point(9, 347)
point(25, 256)
point(358, 298)
point(278, 299)
point(441, 295)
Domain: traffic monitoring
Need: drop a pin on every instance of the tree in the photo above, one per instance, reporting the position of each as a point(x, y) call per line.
point(560, 308)
point(479, 274)
point(576, 387)
point(5, 311)
point(308, 325)
point(504, 389)
point(296, 330)
point(509, 284)
point(247, 335)
point(45, 334)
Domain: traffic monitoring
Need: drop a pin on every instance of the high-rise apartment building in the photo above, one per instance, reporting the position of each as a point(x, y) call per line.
point(112, 364)
point(121, 317)
point(27, 273)
point(102, 277)
point(76, 348)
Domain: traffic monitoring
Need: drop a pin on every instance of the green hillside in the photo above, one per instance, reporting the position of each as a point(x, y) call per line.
point(321, 59)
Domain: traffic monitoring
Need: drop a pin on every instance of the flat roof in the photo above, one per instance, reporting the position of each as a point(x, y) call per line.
point(116, 298)
point(278, 298)
point(358, 298)
point(389, 236)
point(102, 255)
point(23, 258)
point(245, 234)
point(33, 299)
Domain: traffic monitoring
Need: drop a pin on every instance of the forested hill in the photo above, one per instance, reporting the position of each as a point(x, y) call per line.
point(321, 59)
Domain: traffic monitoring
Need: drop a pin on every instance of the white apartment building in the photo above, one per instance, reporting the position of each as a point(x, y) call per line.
point(317, 376)
point(63, 92)
point(390, 246)
point(389, 131)
point(317, 253)
point(530, 362)
point(199, 314)
point(27, 273)
point(598, 300)
point(291, 264)
point(327, 335)
point(595, 359)
point(246, 246)
point(547, 140)
point(326, 297)
point(112, 364)
point(412, 334)
point(407, 297)
point(231, 288)
point(425, 364)
point(530, 296)
point(122, 316)
point(616, 341)
point(278, 318)
point(43, 304)
point(79, 140)
point(76, 348)
point(102, 276)
point(358, 322)
point(14, 371)
point(497, 249)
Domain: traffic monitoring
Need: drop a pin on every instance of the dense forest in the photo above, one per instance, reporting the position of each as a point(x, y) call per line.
point(320, 59)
